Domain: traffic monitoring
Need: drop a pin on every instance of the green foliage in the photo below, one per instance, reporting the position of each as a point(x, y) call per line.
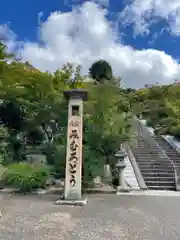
point(11, 115)
point(3, 133)
point(34, 112)
point(59, 162)
point(26, 177)
point(100, 71)
point(175, 131)
point(35, 136)
point(3, 52)
point(93, 165)
point(160, 106)
point(106, 124)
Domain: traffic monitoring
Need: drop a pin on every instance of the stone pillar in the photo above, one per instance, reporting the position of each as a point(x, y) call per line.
point(121, 178)
point(107, 174)
point(73, 174)
point(122, 186)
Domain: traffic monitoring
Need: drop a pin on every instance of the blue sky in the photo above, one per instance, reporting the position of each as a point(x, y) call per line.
point(23, 21)
point(138, 38)
point(27, 11)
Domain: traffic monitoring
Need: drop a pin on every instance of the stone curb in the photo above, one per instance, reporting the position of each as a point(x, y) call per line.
point(81, 202)
point(57, 191)
point(99, 190)
point(9, 190)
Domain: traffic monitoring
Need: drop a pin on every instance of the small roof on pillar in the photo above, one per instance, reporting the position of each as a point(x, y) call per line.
point(76, 94)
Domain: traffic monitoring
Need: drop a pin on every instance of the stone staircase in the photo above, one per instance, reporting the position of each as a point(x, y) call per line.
point(173, 155)
point(155, 166)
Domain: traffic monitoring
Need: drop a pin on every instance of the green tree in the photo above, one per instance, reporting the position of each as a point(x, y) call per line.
point(107, 125)
point(100, 71)
point(34, 111)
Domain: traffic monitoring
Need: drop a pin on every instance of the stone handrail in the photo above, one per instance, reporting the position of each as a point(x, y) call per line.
point(176, 168)
point(135, 167)
point(168, 140)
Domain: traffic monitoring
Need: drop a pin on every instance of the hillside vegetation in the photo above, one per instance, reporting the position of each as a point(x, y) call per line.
point(160, 106)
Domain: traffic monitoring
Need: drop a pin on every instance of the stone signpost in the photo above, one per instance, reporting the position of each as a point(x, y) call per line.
point(73, 174)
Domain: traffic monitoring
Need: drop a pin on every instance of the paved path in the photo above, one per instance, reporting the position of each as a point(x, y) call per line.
point(105, 217)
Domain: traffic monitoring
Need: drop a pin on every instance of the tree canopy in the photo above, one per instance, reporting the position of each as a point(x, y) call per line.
point(100, 71)
point(33, 113)
point(160, 106)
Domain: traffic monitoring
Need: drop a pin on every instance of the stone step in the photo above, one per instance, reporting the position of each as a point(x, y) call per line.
point(156, 168)
point(168, 148)
point(163, 163)
point(146, 156)
point(162, 187)
point(159, 183)
point(158, 175)
point(177, 164)
point(173, 157)
point(143, 150)
point(172, 152)
point(151, 178)
point(152, 167)
point(155, 163)
point(149, 170)
point(141, 153)
point(150, 156)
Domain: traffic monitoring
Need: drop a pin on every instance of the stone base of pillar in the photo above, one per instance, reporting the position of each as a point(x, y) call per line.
point(120, 189)
point(79, 202)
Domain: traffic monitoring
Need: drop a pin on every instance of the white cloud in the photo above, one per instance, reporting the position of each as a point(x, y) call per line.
point(143, 13)
point(70, 3)
point(9, 37)
point(84, 36)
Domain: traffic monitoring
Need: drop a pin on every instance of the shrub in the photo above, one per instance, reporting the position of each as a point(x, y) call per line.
point(59, 162)
point(175, 131)
point(2, 171)
point(35, 137)
point(93, 165)
point(26, 177)
point(150, 122)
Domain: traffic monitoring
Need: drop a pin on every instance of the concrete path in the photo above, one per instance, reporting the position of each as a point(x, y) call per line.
point(152, 193)
point(105, 217)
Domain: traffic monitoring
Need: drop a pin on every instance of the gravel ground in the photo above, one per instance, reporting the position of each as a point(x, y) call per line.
point(104, 217)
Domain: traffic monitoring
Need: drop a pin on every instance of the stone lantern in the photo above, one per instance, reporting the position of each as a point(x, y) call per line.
point(122, 186)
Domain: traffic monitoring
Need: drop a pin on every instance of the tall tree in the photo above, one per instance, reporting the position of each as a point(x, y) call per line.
point(100, 71)
point(107, 119)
